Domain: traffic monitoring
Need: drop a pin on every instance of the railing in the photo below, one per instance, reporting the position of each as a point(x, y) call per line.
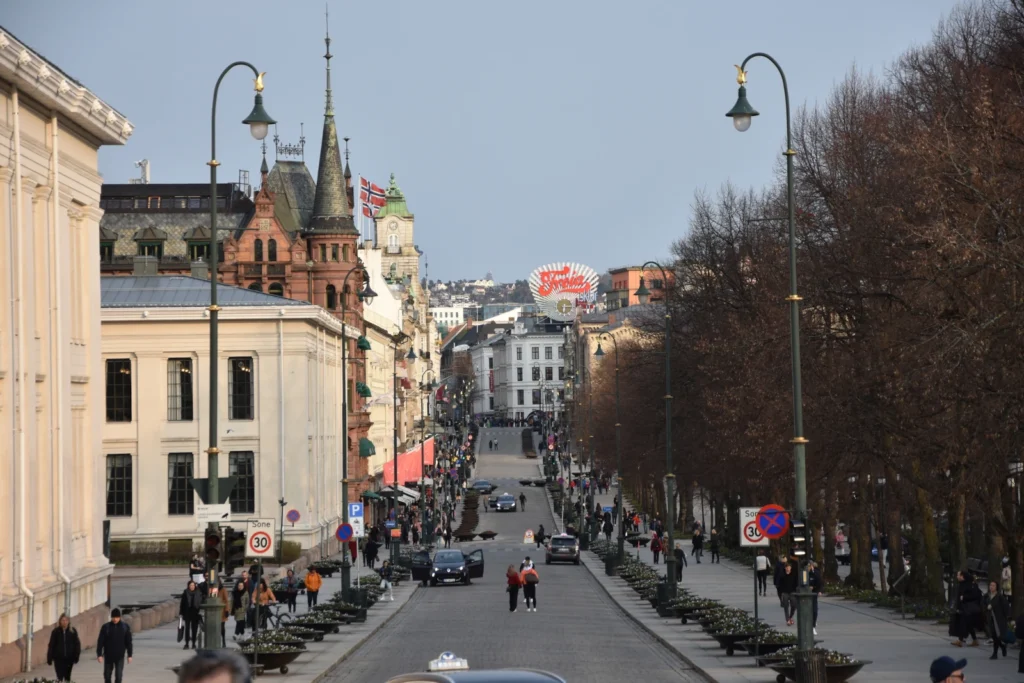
point(255, 269)
point(392, 250)
point(275, 269)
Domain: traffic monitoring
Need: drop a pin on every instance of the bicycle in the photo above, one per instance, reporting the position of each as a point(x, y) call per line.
point(274, 617)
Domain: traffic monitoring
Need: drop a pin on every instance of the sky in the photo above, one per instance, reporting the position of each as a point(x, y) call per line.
point(522, 133)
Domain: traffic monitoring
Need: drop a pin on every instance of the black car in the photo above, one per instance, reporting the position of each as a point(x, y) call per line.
point(562, 548)
point(448, 566)
point(483, 486)
point(505, 502)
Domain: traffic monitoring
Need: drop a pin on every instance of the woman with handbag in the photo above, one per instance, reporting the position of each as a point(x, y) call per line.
point(512, 588)
point(530, 579)
point(997, 617)
point(240, 606)
point(190, 613)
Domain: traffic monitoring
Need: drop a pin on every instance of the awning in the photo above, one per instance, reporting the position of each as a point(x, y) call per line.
point(409, 463)
point(366, 448)
point(371, 495)
point(363, 390)
point(404, 495)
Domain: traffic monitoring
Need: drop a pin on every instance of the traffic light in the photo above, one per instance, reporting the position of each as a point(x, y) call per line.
point(234, 550)
point(212, 549)
point(799, 538)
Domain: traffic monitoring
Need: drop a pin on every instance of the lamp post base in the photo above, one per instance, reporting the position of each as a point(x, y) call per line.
point(346, 576)
point(212, 610)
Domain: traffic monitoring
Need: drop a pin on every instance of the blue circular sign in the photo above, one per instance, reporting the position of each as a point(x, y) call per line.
point(344, 532)
point(293, 516)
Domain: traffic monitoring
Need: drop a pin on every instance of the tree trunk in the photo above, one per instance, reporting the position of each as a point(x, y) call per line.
point(860, 540)
point(926, 568)
point(957, 542)
point(881, 528)
point(831, 564)
point(894, 522)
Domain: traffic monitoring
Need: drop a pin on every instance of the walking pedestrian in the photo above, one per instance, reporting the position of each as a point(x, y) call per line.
point(448, 536)
point(698, 544)
point(291, 590)
point(539, 536)
point(190, 612)
point(530, 579)
point(968, 609)
point(761, 567)
point(522, 502)
point(313, 583)
point(513, 581)
point(264, 598)
point(386, 575)
point(64, 648)
point(780, 570)
point(817, 585)
point(713, 547)
point(997, 617)
point(225, 611)
point(787, 588)
point(114, 642)
point(680, 556)
point(656, 546)
point(240, 606)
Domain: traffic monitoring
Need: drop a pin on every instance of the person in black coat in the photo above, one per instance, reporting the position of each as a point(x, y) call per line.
point(64, 648)
point(114, 642)
point(968, 609)
point(997, 618)
point(191, 610)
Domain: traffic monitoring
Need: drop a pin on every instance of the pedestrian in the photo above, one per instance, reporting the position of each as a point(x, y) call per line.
point(513, 581)
point(196, 569)
point(522, 502)
point(415, 534)
point(787, 589)
point(190, 612)
point(948, 670)
point(780, 570)
point(607, 528)
point(680, 556)
point(210, 666)
point(114, 642)
point(264, 598)
point(448, 536)
point(761, 568)
point(539, 536)
point(713, 547)
point(313, 583)
point(817, 585)
point(64, 649)
point(386, 575)
point(698, 544)
point(240, 606)
point(225, 610)
point(997, 617)
point(530, 579)
point(1006, 578)
point(656, 546)
point(291, 590)
point(968, 608)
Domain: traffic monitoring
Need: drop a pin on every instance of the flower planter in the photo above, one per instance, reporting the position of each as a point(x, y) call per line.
point(322, 626)
point(730, 640)
point(488, 535)
point(764, 649)
point(834, 673)
point(304, 633)
point(272, 660)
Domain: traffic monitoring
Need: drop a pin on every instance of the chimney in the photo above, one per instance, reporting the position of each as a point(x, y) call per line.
point(144, 265)
point(201, 269)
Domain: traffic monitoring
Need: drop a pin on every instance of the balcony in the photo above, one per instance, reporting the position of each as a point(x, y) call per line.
point(276, 269)
point(252, 269)
point(392, 250)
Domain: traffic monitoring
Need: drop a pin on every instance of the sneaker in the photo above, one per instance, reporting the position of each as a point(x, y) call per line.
point(815, 631)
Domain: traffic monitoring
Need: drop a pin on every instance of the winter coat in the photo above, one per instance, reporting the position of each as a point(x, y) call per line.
point(240, 607)
point(313, 581)
point(191, 604)
point(997, 615)
point(65, 646)
point(788, 582)
point(115, 641)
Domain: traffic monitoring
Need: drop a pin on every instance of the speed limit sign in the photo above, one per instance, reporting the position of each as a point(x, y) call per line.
point(750, 533)
point(259, 538)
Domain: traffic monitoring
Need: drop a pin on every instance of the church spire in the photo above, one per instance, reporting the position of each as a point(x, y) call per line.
point(331, 212)
point(329, 106)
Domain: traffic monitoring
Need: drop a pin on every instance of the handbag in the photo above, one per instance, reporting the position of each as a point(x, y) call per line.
point(181, 629)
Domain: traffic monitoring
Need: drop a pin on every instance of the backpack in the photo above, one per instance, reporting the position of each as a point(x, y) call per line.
point(532, 578)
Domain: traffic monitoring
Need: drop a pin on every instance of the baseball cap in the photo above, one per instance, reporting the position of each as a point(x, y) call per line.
point(943, 668)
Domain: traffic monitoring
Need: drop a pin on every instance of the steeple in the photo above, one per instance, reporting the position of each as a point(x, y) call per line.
point(331, 212)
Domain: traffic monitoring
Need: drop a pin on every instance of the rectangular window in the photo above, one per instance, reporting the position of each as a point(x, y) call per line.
point(198, 250)
point(519, 374)
point(561, 373)
point(561, 352)
point(119, 485)
point(106, 252)
point(119, 390)
point(180, 500)
point(561, 394)
point(536, 397)
point(344, 252)
point(549, 373)
point(490, 363)
point(242, 464)
point(535, 373)
point(547, 353)
point(179, 389)
point(334, 252)
point(519, 397)
point(535, 352)
point(490, 401)
point(323, 252)
point(241, 389)
point(657, 284)
point(155, 249)
point(519, 353)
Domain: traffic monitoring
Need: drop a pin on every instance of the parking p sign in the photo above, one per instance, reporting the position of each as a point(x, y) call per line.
point(750, 533)
point(355, 518)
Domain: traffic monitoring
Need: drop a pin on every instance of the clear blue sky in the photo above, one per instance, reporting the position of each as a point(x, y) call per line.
point(521, 132)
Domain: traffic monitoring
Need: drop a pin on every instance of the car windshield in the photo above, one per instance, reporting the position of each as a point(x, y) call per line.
point(482, 483)
point(563, 542)
point(449, 556)
point(506, 498)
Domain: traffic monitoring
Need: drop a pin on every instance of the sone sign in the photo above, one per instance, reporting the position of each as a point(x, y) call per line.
point(259, 538)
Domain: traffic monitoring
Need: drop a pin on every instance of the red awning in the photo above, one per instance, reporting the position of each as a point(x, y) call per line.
point(409, 464)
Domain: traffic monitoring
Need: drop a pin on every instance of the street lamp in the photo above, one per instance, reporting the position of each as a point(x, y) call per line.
point(259, 122)
point(396, 340)
point(426, 534)
point(618, 444)
point(742, 114)
point(367, 295)
point(643, 294)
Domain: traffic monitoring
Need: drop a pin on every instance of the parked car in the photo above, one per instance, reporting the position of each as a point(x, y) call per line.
point(562, 548)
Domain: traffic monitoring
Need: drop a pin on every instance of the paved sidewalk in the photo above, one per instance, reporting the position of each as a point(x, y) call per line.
point(156, 650)
point(899, 650)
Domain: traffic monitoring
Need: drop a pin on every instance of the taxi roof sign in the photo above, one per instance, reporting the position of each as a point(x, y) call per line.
point(447, 661)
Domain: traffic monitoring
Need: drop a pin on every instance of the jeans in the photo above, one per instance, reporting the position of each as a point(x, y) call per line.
point(789, 605)
point(656, 553)
point(63, 667)
point(715, 557)
point(513, 598)
point(311, 597)
point(112, 667)
point(239, 626)
point(290, 598)
point(762, 580)
point(191, 630)
point(530, 593)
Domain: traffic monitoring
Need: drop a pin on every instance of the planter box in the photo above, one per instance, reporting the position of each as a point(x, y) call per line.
point(834, 673)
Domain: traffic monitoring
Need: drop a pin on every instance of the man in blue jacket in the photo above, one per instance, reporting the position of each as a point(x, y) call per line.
point(114, 643)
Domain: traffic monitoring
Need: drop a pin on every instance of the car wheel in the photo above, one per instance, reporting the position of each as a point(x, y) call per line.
point(433, 582)
point(547, 560)
point(576, 561)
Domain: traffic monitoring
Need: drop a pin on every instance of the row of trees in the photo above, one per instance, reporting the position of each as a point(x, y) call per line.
point(910, 197)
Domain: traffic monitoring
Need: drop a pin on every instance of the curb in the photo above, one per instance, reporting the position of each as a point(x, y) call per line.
point(337, 664)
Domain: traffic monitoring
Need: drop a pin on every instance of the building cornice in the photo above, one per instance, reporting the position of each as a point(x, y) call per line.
point(49, 86)
point(311, 314)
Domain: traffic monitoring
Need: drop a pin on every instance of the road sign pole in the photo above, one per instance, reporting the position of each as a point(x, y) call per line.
point(212, 607)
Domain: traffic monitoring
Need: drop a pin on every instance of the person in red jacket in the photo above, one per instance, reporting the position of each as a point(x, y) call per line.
point(514, 581)
point(655, 546)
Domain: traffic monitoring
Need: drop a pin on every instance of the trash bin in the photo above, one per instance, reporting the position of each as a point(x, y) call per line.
point(611, 564)
point(584, 541)
point(810, 666)
point(663, 593)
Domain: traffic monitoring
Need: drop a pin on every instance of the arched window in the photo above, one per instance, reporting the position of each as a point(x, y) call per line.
point(257, 250)
point(256, 287)
point(272, 250)
point(393, 241)
point(332, 297)
point(276, 288)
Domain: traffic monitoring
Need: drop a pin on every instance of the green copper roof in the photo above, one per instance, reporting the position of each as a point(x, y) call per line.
point(394, 202)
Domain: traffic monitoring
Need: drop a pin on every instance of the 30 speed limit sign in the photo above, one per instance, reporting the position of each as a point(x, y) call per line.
point(750, 533)
point(259, 538)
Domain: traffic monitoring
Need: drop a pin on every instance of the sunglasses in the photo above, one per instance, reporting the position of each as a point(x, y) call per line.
point(960, 676)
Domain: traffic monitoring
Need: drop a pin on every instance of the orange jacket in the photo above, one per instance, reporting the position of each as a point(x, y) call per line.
point(523, 574)
point(313, 581)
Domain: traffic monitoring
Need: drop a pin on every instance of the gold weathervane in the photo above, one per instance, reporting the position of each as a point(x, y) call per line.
point(258, 81)
point(741, 75)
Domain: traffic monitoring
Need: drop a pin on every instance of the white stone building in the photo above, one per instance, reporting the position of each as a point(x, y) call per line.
point(279, 391)
point(529, 369)
point(51, 377)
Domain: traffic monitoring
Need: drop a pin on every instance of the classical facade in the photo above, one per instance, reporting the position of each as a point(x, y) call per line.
point(396, 237)
point(530, 370)
point(51, 375)
point(279, 387)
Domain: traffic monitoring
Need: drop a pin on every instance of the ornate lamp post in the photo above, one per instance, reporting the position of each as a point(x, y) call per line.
point(742, 114)
point(426, 534)
point(644, 296)
point(367, 295)
point(259, 123)
point(618, 445)
point(396, 340)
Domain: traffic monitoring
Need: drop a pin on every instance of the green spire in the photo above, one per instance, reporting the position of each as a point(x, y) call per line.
point(394, 202)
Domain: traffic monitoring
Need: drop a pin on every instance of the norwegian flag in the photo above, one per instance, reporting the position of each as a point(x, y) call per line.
point(439, 395)
point(371, 196)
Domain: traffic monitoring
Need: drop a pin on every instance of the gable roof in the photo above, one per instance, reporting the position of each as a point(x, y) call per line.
point(180, 291)
point(294, 190)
